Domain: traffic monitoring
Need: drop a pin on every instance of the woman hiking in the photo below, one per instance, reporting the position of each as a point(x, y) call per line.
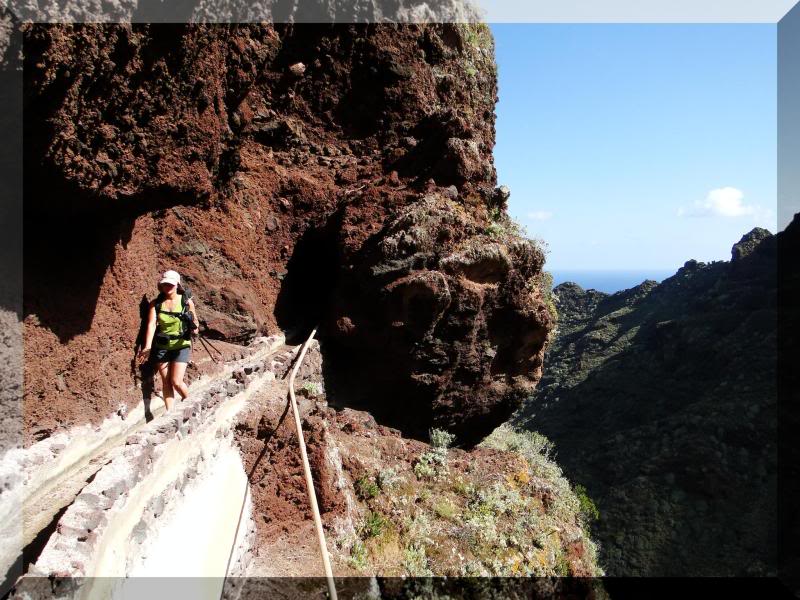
point(168, 340)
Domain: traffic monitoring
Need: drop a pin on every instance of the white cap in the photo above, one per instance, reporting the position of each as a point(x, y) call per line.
point(170, 277)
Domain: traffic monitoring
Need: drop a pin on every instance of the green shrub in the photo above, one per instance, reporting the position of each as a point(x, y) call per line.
point(588, 507)
point(432, 463)
point(311, 388)
point(495, 501)
point(495, 230)
point(503, 226)
point(547, 281)
point(440, 438)
point(418, 527)
point(386, 478)
point(530, 444)
point(544, 282)
point(366, 488)
point(373, 525)
point(562, 568)
point(473, 568)
point(358, 556)
point(477, 35)
point(415, 561)
point(461, 487)
point(444, 509)
point(423, 469)
point(539, 452)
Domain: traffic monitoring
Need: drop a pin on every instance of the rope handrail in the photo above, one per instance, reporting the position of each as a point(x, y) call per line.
point(312, 497)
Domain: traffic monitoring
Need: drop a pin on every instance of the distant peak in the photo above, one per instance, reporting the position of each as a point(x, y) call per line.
point(749, 242)
point(568, 286)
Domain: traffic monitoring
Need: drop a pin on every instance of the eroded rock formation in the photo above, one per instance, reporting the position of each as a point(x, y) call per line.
point(455, 314)
point(294, 175)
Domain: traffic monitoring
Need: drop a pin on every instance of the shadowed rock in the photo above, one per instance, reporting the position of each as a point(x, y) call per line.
point(440, 324)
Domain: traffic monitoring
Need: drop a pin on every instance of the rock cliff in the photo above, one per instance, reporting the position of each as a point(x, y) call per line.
point(294, 174)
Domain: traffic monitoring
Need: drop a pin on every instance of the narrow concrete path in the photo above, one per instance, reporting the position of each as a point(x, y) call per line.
point(195, 538)
point(48, 477)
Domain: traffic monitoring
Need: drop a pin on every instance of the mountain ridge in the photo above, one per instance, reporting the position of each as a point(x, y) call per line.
point(661, 400)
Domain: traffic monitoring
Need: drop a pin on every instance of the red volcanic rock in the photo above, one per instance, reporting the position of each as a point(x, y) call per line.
point(444, 325)
point(342, 193)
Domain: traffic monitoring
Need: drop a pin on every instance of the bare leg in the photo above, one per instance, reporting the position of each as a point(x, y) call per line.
point(177, 370)
point(166, 384)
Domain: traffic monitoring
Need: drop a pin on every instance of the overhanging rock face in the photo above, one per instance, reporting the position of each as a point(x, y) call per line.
point(245, 157)
point(268, 163)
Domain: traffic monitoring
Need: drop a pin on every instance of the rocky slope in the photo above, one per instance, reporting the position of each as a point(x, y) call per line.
point(396, 507)
point(661, 400)
point(294, 174)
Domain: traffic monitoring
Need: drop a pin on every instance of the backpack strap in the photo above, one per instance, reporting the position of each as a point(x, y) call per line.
point(187, 295)
point(159, 299)
point(184, 306)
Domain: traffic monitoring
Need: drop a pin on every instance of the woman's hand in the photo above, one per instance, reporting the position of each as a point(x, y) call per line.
point(143, 355)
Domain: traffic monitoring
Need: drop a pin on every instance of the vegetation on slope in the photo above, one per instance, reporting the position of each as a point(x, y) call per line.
point(504, 509)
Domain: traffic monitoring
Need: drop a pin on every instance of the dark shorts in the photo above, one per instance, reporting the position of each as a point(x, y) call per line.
point(181, 355)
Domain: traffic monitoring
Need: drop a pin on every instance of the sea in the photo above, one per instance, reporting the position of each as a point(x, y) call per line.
point(609, 281)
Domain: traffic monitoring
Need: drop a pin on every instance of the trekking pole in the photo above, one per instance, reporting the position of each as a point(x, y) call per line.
point(208, 341)
point(208, 350)
point(206, 344)
point(312, 497)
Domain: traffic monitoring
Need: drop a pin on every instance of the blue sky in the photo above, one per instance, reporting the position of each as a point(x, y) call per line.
point(637, 146)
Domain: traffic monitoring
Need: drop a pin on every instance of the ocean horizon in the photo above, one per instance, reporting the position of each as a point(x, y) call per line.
point(609, 281)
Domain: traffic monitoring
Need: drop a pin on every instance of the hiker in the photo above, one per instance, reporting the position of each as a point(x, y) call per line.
point(171, 320)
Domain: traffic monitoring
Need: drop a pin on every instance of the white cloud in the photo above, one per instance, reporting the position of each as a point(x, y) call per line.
point(540, 215)
point(723, 202)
